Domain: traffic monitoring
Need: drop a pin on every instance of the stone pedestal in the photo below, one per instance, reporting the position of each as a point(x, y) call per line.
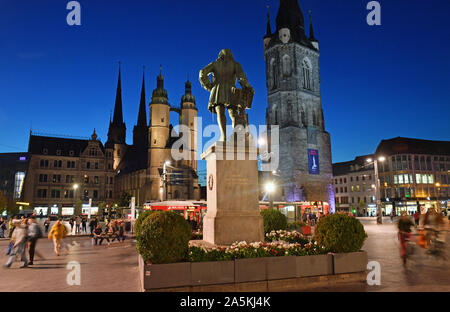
point(232, 195)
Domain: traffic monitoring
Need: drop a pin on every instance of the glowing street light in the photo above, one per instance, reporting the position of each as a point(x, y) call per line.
point(270, 187)
point(381, 158)
point(75, 186)
point(369, 160)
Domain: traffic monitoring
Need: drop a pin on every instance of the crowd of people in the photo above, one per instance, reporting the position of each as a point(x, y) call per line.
point(25, 232)
point(428, 226)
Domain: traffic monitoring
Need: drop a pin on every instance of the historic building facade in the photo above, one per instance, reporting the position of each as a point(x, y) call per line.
point(13, 169)
point(294, 104)
point(413, 174)
point(355, 186)
point(63, 171)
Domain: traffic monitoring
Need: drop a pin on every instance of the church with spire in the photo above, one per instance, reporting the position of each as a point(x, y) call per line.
point(146, 169)
point(295, 106)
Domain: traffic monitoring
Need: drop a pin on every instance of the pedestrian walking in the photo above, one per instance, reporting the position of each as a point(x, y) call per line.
point(416, 218)
point(19, 239)
point(46, 225)
point(392, 216)
point(34, 233)
point(404, 234)
point(57, 233)
point(2, 227)
point(83, 225)
point(92, 225)
point(78, 225)
point(71, 222)
point(121, 231)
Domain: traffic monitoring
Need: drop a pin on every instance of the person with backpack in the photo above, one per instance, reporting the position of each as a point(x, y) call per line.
point(34, 233)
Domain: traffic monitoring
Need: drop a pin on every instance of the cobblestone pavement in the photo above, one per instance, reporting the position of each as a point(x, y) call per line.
point(422, 273)
point(102, 268)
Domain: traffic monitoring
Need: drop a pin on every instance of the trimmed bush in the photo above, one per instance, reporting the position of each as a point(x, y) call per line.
point(274, 220)
point(340, 233)
point(296, 225)
point(164, 238)
point(142, 216)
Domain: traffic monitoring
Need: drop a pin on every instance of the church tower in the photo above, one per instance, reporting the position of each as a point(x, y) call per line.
point(294, 104)
point(117, 129)
point(159, 133)
point(140, 131)
point(187, 117)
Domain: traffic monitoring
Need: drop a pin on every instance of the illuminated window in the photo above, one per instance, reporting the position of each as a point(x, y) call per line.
point(306, 75)
point(430, 179)
point(18, 184)
point(395, 179)
point(418, 178)
point(424, 179)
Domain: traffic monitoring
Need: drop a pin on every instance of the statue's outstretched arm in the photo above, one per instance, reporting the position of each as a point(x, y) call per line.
point(204, 78)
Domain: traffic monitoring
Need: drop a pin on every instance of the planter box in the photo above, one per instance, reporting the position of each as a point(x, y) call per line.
point(314, 265)
point(250, 270)
point(350, 262)
point(164, 275)
point(281, 267)
point(209, 273)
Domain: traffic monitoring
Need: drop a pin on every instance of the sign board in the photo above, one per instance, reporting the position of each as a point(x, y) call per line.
point(313, 161)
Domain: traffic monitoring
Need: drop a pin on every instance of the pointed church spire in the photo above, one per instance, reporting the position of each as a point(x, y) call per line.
point(142, 116)
point(269, 29)
point(311, 30)
point(118, 117)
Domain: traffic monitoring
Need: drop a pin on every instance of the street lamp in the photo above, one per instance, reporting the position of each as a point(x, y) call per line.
point(378, 191)
point(75, 187)
point(166, 163)
point(270, 188)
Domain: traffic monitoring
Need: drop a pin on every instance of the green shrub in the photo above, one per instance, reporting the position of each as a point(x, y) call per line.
point(296, 225)
point(142, 216)
point(273, 220)
point(164, 238)
point(340, 233)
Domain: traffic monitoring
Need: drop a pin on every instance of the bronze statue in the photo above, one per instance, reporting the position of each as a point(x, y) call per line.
point(224, 94)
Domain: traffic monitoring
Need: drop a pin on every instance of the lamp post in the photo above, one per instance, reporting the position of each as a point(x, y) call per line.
point(270, 188)
point(438, 193)
point(166, 163)
point(377, 187)
point(75, 187)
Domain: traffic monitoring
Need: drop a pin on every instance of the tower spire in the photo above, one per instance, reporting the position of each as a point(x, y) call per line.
point(269, 29)
point(311, 29)
point(142, 116)
point(118, 116)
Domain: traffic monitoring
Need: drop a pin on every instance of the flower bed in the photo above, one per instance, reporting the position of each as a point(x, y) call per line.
point(288, 236)
point(244, 250)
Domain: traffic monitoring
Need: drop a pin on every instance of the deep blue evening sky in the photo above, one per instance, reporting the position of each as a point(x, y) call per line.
point(378, 82)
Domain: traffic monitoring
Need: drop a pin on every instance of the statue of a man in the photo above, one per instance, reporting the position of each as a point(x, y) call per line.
point(225, 70)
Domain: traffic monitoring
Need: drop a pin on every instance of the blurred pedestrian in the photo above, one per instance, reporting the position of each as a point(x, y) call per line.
point(416, 218)
point(71, 222)
point(78, 225)
point(57, 233)
point(83, 225)
point(121, 231)
point(2, 227)
point(19, 238)
point(92, 224)
point(404, 233)
point(98, 235)
point(34, 233)
point(46, 225)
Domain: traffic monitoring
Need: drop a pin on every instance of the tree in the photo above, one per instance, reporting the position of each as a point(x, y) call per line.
point(361, 206)
point(3, 202)
point(125, 199)
point(78, 206)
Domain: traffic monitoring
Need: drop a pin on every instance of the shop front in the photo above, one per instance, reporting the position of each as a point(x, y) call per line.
point(40, 211)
